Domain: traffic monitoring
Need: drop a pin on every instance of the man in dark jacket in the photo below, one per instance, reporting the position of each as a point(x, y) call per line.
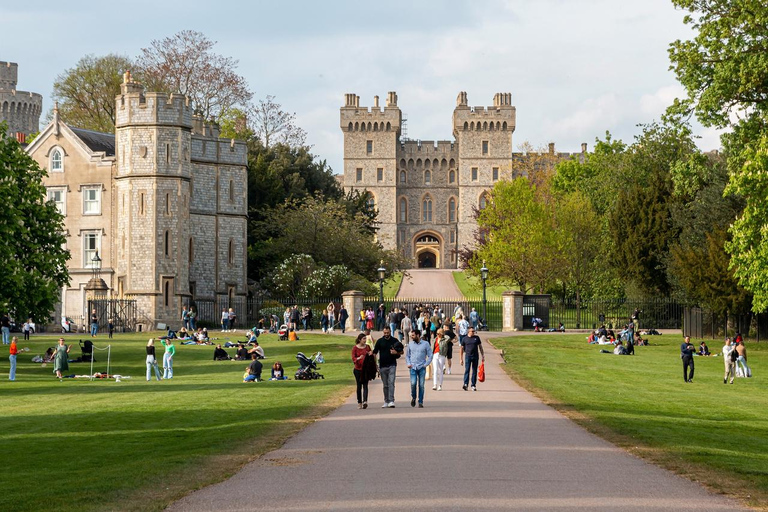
point(686, 353)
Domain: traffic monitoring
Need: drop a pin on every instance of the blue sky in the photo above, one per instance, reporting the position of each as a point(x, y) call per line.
point(575, 68)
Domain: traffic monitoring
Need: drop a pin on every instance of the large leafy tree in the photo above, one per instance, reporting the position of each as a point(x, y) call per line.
point(32, 254)
point(86, 93)
point(724, 69)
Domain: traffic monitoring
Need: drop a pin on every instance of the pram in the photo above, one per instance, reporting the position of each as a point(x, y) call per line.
point(86, 347)
point(307, 367)
point(283, 332)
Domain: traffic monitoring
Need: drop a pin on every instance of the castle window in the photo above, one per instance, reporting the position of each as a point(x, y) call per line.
point(427, 177)
point(426, 209)
point(167, 244)
point(380, 174)
point(231, 191)
point(369, 147)
point(167, 153)
point(359, 175)
point(474, 174)
point(350, 127)
point(452, 210)
point(453, 236)
point(57, 161)
point(191, 250)
point(92, 201)
point(167, 203)
point(485, 147)
point(141, 203)
point(452, 176)
point(495, 173)
point(91, 245)
point(483, 201)
point(403, 177)
point(167, 293)
point(231, 252)
point(403, 210)
point(59, 196)
point(371, 202)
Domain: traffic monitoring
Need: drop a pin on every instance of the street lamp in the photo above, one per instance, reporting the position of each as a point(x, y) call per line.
point(382, 273)
point(484, 277)
point(96, 265)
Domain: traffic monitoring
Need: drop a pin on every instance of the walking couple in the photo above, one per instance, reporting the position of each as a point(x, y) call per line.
point(418, 357)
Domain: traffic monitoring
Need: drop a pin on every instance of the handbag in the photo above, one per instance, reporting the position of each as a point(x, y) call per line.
point(481, 372)
point(429, 372)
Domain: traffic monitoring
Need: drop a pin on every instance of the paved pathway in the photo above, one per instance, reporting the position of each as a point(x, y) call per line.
point(429, 284)
point(498, 448)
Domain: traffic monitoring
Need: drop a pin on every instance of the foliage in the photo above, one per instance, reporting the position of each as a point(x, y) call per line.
point(578, 229)
point(32, 254)
point(103, 423)
point(186, 63)
point(86, 93)
point(288, 278)
point(266, 122)
point(323, 229)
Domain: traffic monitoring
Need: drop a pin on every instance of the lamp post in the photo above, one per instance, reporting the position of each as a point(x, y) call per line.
point(382, 272)
point(96, 266)
point(484, 277)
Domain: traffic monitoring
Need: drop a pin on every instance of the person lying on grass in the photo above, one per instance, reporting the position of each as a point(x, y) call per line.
point(620, 350)
point(253, 370)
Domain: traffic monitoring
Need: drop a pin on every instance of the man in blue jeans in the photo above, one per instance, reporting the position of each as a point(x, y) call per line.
point(470, 346)
point(94, 324)
point(388, 349)
point(418, 357)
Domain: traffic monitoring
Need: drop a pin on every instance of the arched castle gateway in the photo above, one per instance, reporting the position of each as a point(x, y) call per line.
point(425, 191)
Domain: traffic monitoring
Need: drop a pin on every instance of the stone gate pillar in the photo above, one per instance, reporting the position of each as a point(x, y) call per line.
point(353, 303)
point(513, 311)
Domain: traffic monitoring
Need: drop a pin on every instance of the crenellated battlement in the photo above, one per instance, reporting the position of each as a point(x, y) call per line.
point(355, 118)
point(428, 147)
point(135, 106)
point(20, 109)
point(9, 75)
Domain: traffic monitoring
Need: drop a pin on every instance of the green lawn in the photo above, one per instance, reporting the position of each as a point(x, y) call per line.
point(710, 432)
point(392, 285)
point(102, 445)
point(473, 287)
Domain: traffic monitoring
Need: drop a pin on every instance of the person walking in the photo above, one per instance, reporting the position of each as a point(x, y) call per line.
point(474, 318)
point(405, 327)
point(152, 361)
point(60, 362)
point(343, 317)
point(729, 361)
point(324, 321)
point(388, 349)
point(185, 317)
point(686, 353)
point(12, 358)
point(359, 352)
point(111, 327)
point(170, 351)
point(741, 361)
point(224, 320)
point(463, 327)
point(5, 327)
point(232, 319)
point(94, 324)
point(192, 318)
point(27, 329)
point(418, 357)
point(331, 316)
point(381, 317)
point(439, 353)
point(448, 331)
point(470, 346)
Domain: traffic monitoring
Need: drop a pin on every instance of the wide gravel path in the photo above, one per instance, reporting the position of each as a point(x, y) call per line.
point(498, 448)
point(429, 284)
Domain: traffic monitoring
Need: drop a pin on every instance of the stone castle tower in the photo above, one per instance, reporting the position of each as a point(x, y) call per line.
point(181, 205)
point(425, 191)
point(21, 110)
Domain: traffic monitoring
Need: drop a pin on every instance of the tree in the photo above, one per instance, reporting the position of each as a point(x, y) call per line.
point(271, 124)
point(32, 253)
point(86, 93)
point(185, 63)
point(725, 74)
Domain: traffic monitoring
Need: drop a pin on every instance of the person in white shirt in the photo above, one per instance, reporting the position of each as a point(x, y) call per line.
point(463, 326)
point(730, 364)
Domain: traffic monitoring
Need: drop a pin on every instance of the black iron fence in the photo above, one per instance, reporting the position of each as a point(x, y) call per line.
point(703, 323)
point(256, 311)
point(662, 313)
point(492, 320)
point(121, 312)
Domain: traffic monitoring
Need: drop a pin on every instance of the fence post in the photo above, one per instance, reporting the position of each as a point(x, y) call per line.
point(353, 303)
point(512, 311)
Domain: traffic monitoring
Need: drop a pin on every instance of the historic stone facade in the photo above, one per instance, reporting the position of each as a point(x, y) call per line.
point(163, 200)
point(21, 110)
point(425, 192)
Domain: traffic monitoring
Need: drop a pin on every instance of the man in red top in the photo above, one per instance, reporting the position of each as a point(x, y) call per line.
point(12, 358)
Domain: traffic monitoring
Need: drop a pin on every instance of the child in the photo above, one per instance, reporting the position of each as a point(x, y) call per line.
point(277, 371)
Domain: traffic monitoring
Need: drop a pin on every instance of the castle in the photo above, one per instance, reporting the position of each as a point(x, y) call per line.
point(162, 201)
point(426, 192)
point(21, 110)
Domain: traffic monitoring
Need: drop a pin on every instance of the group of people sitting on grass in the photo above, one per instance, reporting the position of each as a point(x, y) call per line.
point(628, 335)
point(198, 337)
point(243, 353)
point(253, 371)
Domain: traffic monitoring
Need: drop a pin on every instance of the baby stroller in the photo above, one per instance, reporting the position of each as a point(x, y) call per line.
point(283, 332)
point(307, 367)
point(86, 347)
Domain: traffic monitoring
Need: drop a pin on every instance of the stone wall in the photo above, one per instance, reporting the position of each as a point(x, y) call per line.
point(20, 109)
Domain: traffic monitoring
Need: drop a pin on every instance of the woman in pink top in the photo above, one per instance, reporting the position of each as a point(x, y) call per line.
point(359, 351)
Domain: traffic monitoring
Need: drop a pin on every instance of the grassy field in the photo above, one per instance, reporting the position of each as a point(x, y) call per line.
point(473, 287)
point(137, 445)
point(709, 432)
point(392, 285)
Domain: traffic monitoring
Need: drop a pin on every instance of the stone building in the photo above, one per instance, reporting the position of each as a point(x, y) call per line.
point(425, 192)
point(21, 110)
point(163, 200)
